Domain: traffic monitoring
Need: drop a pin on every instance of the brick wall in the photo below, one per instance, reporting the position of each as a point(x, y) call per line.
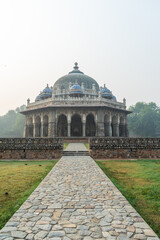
point(101, 148)
point(31, 148)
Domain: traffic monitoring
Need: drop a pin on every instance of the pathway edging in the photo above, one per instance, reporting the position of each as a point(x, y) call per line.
point(76, 200)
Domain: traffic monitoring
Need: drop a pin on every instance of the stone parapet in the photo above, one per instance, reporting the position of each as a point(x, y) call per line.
point(101, 148)
point(31, 148)
point(61, 102)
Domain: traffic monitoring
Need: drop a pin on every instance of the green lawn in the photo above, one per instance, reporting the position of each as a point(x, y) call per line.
point(65, 145)
point(139, 182)
point(19, 180)
point(86, 145)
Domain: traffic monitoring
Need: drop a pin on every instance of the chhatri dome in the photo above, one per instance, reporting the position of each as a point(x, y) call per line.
point(75, 84)
point(76, 90)
point(76, 107)
point(75, 76)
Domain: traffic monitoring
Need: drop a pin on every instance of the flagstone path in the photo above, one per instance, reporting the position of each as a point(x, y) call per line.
point(76, 201)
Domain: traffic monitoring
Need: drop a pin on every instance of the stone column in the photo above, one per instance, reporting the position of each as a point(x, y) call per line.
point(100, 129)
point(69, 125)
point(100, 123)
point(126, 132)
point(109, 129)
point(25, 132)
point(96, 119)
point(41, 125)
point(25, 128)
point(34, 127)
point(117, 126)
point(117, 130)
point(84, 129)
point(52, 124)
point(69, 129)
point(84, 125)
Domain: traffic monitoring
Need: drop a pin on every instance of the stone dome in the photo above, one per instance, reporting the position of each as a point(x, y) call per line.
point(76, 89)
point(106, 93)
point(38, 98)
point(75, 76)
point(114, 98)
point(46, 93)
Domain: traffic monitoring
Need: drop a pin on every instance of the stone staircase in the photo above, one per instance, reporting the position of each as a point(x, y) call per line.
point(75, 153)
point(76, 149)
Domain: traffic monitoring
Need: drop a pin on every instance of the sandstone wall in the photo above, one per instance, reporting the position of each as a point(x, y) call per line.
point(101, 148)
point(31, 148)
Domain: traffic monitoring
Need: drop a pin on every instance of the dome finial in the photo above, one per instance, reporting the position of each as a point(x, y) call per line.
point(76, 66)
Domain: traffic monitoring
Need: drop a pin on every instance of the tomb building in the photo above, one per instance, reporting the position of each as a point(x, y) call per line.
point(76, 107)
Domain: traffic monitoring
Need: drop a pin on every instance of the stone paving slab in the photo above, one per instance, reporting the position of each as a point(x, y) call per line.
point(76, 147)
point(76, 201)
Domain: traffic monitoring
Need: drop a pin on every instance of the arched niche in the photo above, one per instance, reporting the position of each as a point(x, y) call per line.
point(114, 126)
point(29, 127)
point(107, 126)
point(37, 126)
point(62, 126)
point(90, 125)
point(122, 127)
point(76, 126)
point(45, 126)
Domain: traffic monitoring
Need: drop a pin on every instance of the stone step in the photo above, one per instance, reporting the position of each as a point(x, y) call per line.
point(75, 153)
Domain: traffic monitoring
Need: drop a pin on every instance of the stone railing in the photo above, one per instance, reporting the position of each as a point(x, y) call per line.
point(30, 148)
point(76, 101)
point(125, 147)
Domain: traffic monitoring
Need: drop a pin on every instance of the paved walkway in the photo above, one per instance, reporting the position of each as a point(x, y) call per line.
point(76, 201)
point(76, 147)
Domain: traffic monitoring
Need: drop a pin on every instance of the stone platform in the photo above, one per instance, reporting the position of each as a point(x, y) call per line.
point(76, 201)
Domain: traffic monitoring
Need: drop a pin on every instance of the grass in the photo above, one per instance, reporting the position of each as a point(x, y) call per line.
point(65, 145)
point(19, 180)
point(86, 145)
point(139, 182)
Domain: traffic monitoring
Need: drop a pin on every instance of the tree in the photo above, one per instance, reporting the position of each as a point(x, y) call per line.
point(144, 121)
point(12, 123)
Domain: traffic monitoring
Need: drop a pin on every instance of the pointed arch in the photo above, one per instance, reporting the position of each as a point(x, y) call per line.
point(114, 126)
point(90, 125)
point(29, 128)
point(107, 126)
point(122, 127)
point(62, 126)
point(76, 125)
point(45, 126)
point(37, 126)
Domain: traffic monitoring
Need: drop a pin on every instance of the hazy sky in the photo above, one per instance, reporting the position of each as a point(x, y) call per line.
point(117, 42)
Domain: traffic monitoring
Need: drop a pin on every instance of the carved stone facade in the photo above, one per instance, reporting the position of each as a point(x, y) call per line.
point(79, 109)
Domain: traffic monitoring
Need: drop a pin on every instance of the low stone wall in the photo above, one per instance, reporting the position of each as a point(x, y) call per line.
point(75, 139)
point(31, 148)
point(123, 148)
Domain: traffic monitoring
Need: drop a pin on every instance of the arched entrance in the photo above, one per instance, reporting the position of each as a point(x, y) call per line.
point(76, 126)
point(107, 126)
point(45, 126)
point(115, 127)
point(29, 128)
point(90, 126)
point(37, 127)
point(122, 127)
point(62, 126)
